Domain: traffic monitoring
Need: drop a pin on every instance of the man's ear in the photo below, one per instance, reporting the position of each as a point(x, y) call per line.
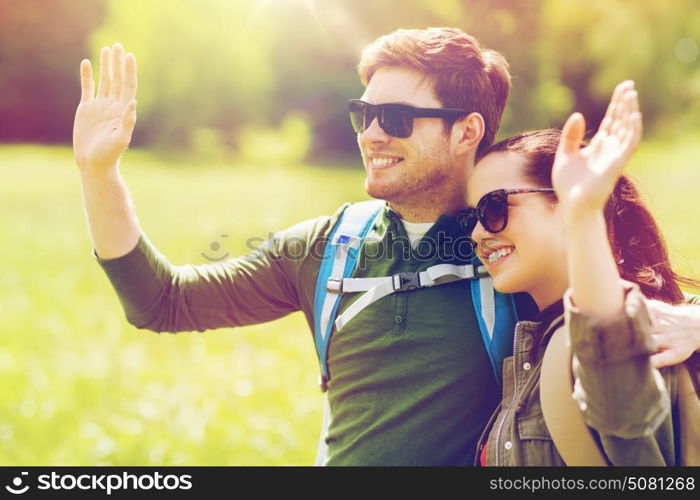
point(467, 133)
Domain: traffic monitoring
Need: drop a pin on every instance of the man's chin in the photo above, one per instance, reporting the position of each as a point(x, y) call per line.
point(380, 191)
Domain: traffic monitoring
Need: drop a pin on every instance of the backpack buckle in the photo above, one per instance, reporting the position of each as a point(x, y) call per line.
point(480, 274)
point(334, 285)
point(404, 282)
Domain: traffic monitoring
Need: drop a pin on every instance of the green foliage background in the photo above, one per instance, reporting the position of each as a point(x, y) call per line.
point(213, 72)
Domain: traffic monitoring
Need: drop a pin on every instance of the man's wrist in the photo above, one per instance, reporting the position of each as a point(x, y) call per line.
point(90, 171)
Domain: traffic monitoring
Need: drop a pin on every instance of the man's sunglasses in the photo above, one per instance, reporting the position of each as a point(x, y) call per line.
point(395, 119)
point(492, 210)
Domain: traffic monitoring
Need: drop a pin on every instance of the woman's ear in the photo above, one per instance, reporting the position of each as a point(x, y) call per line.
point(467, 133)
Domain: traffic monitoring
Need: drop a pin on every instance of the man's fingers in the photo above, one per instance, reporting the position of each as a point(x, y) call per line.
point(105, 73)
point(87, 84)
point(130, 82)
point(572, 133)
point(117, 70)
point(661, 340)
point(665, 358)
point(658, 305)
point(660, 311)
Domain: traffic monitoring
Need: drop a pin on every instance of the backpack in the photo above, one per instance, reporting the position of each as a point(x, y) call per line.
point(496, 313)
point(571, 435)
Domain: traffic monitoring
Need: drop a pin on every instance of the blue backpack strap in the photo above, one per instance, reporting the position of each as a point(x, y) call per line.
point(497, 316)
point(339, 261)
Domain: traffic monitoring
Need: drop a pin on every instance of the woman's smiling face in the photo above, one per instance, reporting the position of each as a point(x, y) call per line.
point(529, 254)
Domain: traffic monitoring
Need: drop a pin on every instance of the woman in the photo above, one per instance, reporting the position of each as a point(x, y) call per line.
point(558, 221)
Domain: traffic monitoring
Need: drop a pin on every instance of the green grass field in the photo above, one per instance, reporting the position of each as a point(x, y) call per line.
point(80, 386)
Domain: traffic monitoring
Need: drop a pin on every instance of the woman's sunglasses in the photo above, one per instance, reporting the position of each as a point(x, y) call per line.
point(492, 210)
point(395, 119)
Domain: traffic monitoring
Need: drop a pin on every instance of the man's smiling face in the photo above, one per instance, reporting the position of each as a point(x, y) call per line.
point(405, 170)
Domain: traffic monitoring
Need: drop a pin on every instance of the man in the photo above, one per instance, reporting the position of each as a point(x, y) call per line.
point(411, 381)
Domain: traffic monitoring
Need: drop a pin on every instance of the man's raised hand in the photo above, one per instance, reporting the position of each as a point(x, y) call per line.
point(104, 122)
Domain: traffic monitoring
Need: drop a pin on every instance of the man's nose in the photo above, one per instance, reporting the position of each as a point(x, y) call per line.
point(375, 133)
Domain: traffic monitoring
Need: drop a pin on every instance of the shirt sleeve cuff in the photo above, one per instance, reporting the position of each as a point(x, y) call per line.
point(612, 340)
point(142, 247)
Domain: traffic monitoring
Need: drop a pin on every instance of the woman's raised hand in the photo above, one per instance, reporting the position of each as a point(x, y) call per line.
point(104, 122)
point(584, 178)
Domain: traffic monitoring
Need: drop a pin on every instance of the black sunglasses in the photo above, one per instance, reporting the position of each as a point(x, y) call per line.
point(492, 210)
point(395, 119)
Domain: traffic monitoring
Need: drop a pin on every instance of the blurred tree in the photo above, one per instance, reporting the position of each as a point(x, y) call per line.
point(41, 45)
point(595, 45)
point(317, 48)
point(201, 64)
point(212, 69)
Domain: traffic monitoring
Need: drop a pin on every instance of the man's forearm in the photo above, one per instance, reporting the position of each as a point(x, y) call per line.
point(110, 212)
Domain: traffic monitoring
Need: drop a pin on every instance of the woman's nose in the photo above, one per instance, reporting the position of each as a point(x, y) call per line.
point(479, 233)
point(482, 238)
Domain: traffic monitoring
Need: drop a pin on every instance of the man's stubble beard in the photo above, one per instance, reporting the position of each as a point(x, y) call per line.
point(418, 186)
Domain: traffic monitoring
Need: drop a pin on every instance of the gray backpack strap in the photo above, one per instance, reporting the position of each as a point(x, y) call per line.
point(322, 451)
point(377, 288)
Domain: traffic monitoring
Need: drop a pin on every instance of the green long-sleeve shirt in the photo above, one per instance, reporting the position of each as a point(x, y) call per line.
point(411, 382)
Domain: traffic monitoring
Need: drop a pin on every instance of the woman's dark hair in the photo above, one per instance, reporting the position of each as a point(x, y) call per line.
point(637, 244)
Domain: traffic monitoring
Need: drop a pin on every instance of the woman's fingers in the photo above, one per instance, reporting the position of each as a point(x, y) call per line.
point(622, 109)
point(117, 70)
point(631, 131)
point(129, 84)
point(633, 134)
point(619, 128)
point(619, 106)
point(628, 108)
point(610, 124)
point(612, 110)
point(105, 73)
point(636, 120)
point(638, 128)
point(572, 134)
point(87, 84)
